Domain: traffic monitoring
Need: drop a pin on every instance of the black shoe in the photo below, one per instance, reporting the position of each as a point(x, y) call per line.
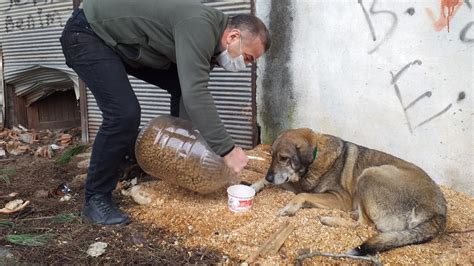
point(100, 209)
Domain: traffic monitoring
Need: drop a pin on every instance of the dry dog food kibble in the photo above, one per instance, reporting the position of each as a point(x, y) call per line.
point(172, 149)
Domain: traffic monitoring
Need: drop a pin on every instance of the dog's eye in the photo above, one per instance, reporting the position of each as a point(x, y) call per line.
point(283, 158)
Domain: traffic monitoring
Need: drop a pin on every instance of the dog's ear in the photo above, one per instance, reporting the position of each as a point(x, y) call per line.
point(328, 149)
point(302, 156)
point(304, 152)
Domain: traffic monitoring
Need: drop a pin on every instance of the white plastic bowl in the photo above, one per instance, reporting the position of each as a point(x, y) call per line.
point(240, 198)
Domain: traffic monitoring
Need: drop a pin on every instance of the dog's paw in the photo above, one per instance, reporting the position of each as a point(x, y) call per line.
point(259, 185)
point(289, 210)
point(256, 187)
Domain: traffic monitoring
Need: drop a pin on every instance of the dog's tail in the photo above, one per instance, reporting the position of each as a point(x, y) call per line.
point(420, 234)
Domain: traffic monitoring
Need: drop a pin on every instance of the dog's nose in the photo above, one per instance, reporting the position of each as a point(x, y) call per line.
point(269, 177)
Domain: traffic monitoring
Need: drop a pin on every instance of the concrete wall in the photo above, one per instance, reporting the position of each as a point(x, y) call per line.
point(384, 74)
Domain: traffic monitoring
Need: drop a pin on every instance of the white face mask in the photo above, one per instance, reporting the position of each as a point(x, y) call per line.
point(230, 63)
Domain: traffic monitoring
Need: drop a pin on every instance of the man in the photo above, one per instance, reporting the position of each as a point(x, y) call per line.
point(172, 44)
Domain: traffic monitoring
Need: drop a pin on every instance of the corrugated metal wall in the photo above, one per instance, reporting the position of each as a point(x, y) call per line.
point(29, 35)
point(233, 93)
point(2, 90)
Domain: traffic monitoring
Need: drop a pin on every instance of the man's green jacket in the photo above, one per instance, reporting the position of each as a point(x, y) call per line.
point(157, 33)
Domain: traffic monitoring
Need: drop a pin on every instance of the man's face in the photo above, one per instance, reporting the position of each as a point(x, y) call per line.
point(250, 48)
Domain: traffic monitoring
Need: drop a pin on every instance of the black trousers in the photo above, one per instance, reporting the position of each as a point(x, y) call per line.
point(105, 74)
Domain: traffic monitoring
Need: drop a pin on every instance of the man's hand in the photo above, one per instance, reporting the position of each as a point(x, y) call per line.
point(236, 159)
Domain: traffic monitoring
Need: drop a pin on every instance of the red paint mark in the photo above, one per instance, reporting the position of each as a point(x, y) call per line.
point(447, 11)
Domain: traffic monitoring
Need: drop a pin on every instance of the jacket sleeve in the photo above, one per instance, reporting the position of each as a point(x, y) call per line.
point(195, 40)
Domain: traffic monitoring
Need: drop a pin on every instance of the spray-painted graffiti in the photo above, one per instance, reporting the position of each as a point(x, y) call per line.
point(447, 11)
point(25, 2)
point(36, 19)
point(427, 94)
point(463, 33)
point(374, 12)
point(468, 4)
point(410, 11)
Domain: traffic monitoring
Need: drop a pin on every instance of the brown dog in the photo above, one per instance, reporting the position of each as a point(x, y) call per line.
point(403, 202)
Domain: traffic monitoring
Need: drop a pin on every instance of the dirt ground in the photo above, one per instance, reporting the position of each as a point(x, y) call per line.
point(180, 227)
point(135, 243)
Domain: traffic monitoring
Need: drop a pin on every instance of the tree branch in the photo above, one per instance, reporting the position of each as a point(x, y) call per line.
point(375, 260)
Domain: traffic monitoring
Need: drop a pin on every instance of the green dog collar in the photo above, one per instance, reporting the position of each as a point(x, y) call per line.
point(315, 153)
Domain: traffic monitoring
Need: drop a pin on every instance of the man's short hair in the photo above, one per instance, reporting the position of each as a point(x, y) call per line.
point(253, 25)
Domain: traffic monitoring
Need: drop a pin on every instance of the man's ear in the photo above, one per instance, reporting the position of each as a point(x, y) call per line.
point(232, 35)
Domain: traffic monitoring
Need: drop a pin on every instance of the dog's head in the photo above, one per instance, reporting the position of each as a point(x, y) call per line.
point(294, 152)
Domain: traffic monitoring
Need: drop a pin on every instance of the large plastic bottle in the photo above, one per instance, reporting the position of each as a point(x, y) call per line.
point(172, 149)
